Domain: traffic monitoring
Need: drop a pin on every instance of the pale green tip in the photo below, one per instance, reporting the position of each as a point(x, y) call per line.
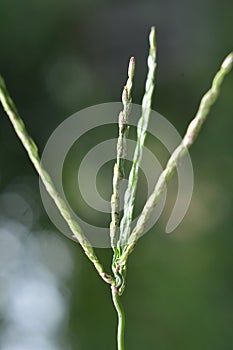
point(131, 68)
point(152, 38)
point(228, 62)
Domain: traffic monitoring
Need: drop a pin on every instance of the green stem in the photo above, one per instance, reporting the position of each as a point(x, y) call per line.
point(129, 199)
point(190, 136)
point(118, 173)
point(33, 154)
point(121, 319)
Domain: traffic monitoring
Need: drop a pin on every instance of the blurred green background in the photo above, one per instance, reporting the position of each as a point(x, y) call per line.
point(58, 57)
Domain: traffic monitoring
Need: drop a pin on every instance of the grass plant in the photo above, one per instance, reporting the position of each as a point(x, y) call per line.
point(123, 236)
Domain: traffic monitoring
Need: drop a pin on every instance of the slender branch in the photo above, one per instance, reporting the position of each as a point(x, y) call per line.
point(141, 135)
point(191, 134)
point(121, 319)
point(33, 154)
point(118, 173)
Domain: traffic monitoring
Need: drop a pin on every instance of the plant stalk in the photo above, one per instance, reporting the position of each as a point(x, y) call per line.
point(121, 319)
point(189, 138)
point(118, 173)
point(129, 199)
point(33, 154)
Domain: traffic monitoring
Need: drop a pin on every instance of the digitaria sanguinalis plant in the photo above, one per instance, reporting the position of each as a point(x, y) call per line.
point(123, 236)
